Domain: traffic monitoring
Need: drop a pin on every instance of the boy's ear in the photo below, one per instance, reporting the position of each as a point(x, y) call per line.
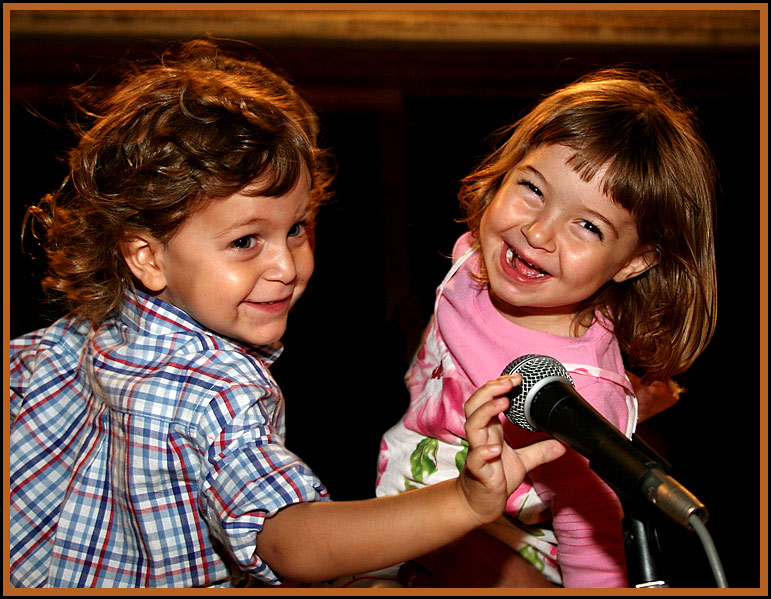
point(643, 260)
point(141, 254)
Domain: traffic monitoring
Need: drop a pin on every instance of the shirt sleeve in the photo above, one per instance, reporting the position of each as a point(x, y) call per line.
point(22, 356)
point(248, 473)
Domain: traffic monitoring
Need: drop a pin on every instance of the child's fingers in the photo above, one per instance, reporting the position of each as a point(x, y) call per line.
point(539, 453)
point(480, 457)
point(494, 388)
point(483, 425)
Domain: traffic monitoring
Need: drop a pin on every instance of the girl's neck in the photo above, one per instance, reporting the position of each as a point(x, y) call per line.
point(560, 321)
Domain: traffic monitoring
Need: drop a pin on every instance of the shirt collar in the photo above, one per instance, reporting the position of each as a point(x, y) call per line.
point(156, 317)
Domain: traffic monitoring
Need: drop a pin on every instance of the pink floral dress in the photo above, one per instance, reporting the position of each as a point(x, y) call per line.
point(427, 445)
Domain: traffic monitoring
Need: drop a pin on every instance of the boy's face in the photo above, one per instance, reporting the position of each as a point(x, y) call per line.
point(550, 240)
point(238, 265)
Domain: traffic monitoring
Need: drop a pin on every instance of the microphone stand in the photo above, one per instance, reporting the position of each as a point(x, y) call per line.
point(641, 543)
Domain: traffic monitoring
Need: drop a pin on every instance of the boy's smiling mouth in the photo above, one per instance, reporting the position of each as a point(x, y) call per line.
point(271, 305)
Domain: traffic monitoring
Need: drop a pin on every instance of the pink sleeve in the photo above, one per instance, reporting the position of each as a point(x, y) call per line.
point(587, 523)
point(463, 243)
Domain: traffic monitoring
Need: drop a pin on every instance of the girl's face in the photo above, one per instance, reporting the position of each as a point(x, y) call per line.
point(239, 265)
point(550, 240)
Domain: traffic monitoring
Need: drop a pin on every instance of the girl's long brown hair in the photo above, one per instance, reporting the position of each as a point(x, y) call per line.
point(660, 169)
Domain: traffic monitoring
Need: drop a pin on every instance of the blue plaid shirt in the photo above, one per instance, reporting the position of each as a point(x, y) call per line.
point(147, 453)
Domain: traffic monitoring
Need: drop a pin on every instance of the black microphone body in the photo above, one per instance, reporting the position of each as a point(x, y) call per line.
point(547, 401)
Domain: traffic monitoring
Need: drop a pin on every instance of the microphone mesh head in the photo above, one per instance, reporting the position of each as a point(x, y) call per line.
point(533, 368)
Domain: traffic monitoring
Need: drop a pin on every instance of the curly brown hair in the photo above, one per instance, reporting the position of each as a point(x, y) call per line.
point(661, 171)
point(197, 125)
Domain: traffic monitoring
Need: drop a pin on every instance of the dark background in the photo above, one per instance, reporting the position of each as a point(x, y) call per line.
point(406, 122)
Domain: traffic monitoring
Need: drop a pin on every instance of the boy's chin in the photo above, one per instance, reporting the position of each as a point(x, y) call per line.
point(253, 339)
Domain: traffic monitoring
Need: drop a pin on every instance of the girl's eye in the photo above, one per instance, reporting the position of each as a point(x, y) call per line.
point(529, 186)
point(592, 228)
point(244, 243)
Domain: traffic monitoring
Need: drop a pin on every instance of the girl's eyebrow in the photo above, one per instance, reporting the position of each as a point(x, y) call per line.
point(533, 170)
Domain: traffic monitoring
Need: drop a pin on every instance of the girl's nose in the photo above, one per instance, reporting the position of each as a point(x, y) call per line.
point(540, 233)
point(281, 265)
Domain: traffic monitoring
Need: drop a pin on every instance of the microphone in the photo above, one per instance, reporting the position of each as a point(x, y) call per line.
point(547, 401)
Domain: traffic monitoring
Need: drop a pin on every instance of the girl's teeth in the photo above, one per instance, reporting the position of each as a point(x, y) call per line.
point(523, 266)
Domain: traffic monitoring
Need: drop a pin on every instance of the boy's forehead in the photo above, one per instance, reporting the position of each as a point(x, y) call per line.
point(267, 179)
point(251, 206)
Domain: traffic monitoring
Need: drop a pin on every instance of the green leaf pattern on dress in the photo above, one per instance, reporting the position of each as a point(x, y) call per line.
point(424, 463)
point(423, 460)
point(531, 555)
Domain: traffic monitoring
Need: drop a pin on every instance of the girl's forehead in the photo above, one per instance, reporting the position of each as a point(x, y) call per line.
point(561, 157)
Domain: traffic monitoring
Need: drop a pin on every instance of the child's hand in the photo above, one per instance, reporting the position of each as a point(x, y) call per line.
point(493, 469)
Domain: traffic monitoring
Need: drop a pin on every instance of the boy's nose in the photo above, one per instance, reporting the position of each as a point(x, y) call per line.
point(281, 266)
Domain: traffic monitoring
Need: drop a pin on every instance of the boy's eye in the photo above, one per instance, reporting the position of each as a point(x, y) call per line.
point(297, 229)
point(244, 243)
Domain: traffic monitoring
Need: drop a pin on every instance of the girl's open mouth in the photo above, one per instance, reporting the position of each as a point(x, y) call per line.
point(523, 267)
